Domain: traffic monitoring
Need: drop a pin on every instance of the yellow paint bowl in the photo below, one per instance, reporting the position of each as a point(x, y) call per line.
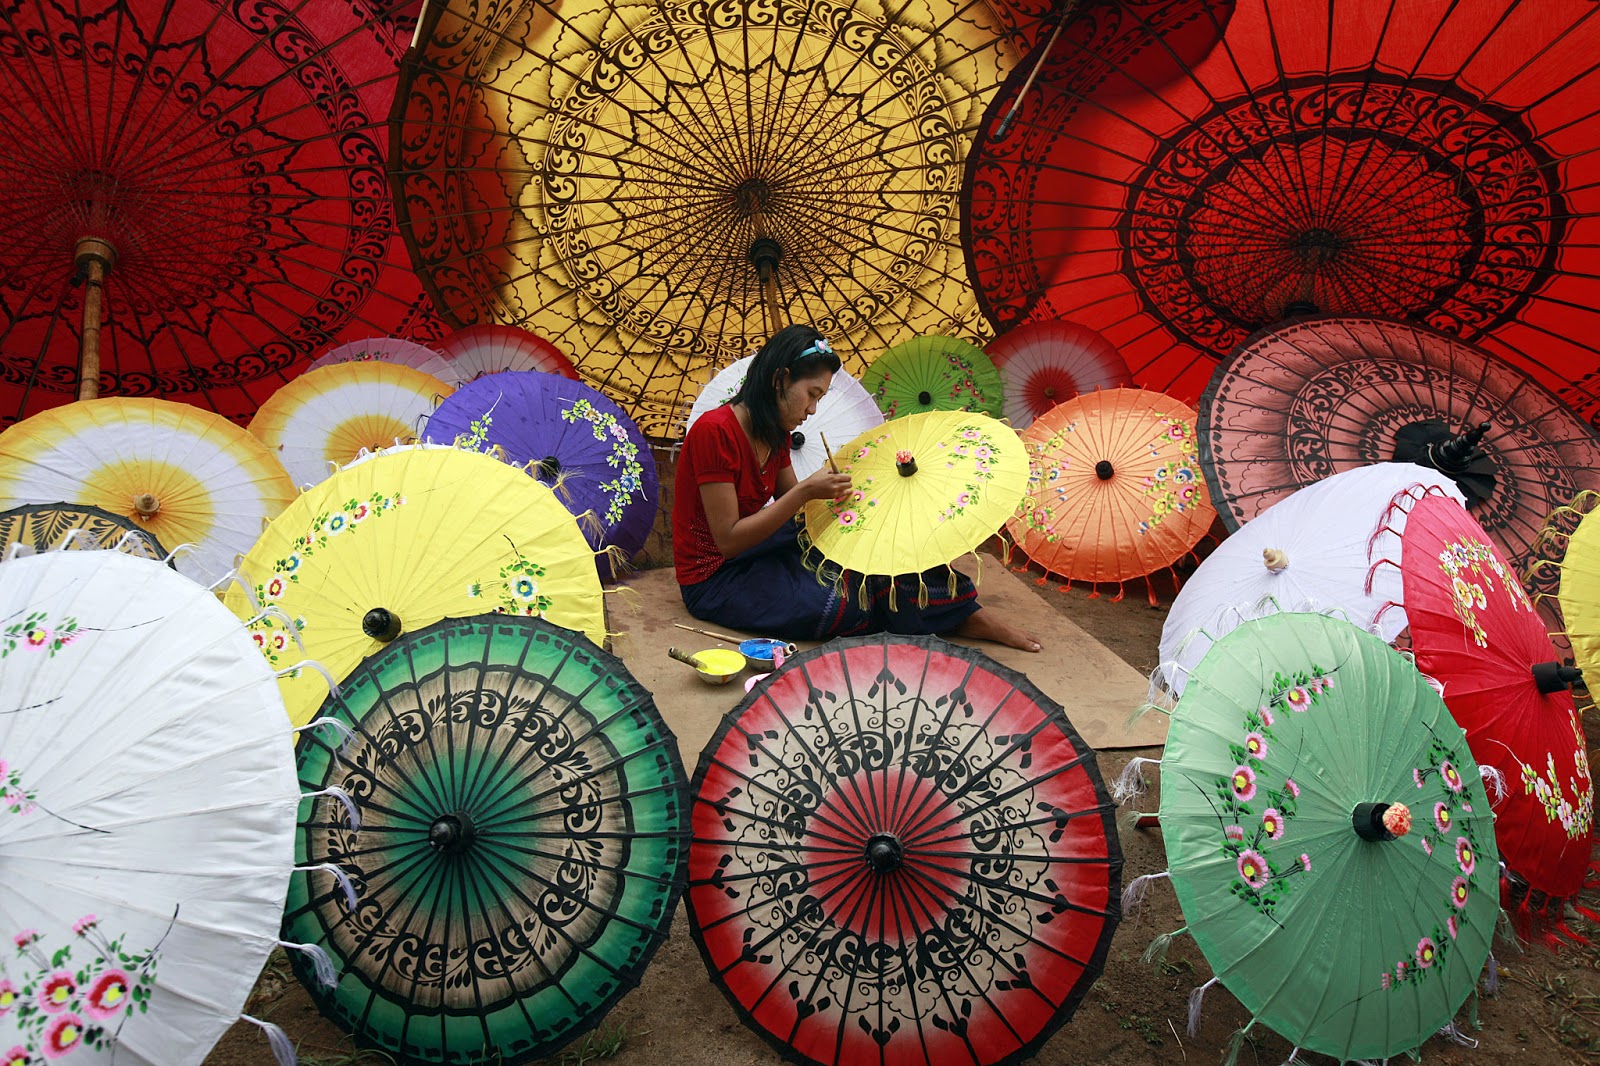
point(718, 666)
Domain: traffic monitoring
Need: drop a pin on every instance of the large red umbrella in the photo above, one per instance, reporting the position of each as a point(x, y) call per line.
point(902, 853)
point(193, 196)
point(1432, 161)
point(1475, 630)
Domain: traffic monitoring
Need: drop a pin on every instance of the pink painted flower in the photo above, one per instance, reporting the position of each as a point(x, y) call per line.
point(62, 1035)
point(1416, 775)
point(1244, 782)
point(56, 992)
point(1452, 925)
point(8, 997)
point(1442, 817)
point(1388, 980)
point(1253, 868)
point(1400, 970)
point(1451, 776)
point(1234, 833)
point(37, 637)
point(1427, 951)
point(1256, 745)
point(1465, 856)
point(360, 511)
point(848, 518)
point(1266, 716)
point(858, 495)
point(1305, 862)
point(108, 994)
point(1298, 698)
point(1272, 823)
point(84, 924)
point(1459, 892)
point(963, 499)
point(1290, 787)
point(1427, 845)
point(24, 938)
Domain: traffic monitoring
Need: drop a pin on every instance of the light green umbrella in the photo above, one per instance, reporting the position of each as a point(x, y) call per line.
point(1348, 927)
point(935, 373)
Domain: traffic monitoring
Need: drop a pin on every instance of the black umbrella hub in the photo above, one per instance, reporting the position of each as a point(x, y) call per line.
point(452, 834)
point(884, 853)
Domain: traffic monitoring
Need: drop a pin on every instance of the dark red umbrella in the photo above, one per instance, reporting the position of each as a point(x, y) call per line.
point(902, 853)
point(1476, 631)
point(1325, 394)
point(193, 198)
point(1425, 161)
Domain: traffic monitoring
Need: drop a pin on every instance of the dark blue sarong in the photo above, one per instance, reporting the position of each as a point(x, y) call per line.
point(768, 590)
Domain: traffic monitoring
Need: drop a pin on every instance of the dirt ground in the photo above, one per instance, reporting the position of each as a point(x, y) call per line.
point(1548, 1009)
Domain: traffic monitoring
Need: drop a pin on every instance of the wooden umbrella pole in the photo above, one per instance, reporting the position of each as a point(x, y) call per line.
point(1044, 54)
point(94, 258)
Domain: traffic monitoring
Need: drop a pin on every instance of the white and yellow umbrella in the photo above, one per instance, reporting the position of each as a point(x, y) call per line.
point(332, 414)
point(396, 351)
point(186, 475)
point(400, 541)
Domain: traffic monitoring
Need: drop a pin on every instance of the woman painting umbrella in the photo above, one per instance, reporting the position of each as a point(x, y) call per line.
point(740, 564)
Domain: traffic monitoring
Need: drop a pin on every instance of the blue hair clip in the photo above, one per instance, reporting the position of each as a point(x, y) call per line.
point(821, 346)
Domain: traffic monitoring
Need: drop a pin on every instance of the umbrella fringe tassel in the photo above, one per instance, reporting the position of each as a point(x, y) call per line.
point(321, 964)
point(338, 874)
point(1453, 1033)
point(345, 733)
point(1491, 976)
point(1236, 1045)
point(1196, 999)
point(1130, 783)
point(311, 664)
point(282, 1047)
point(352, 814)
point(1294, 1057)
point(1494, 782)
point(1134, 893)
point(1156, 952)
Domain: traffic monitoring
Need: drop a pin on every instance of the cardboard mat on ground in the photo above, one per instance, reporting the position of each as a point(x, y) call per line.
point(1097, 689)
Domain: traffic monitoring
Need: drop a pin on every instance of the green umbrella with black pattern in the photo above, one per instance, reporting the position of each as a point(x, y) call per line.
point(520, 843)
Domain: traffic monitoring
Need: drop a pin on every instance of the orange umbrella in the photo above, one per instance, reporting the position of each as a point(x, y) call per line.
point(1115, 489)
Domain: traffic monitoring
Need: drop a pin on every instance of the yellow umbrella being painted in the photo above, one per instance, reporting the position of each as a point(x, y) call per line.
point(186, 475)
point(332, 414)
point(928, 489)
point(400, 541)
point(1577, 526)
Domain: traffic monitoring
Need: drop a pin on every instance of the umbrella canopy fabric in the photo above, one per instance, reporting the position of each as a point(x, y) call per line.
point(185, 475)
point(43, 526)
point(1114, 487)
point(928, 489)
point(1352, 937)
point(490, 349)
point(1307, 552)
point(1575, 533)
point(571, 438)
point(399, 541)
point(1049, 361)
point(521, 848)
point(657, 189)
point(396, 350)
point(213, 177)
point(1474, 629)
point(147, 823)
point(846, 412)
point(903, 853)
point(1309, 399)
point(1425, 162)
point(326, 417)
point(934, 373)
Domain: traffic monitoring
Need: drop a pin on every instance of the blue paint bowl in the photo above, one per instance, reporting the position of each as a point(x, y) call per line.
point(758, 652)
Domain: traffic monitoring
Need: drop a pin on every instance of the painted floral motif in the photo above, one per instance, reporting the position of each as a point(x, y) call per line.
point(1576, 815)
point(1250, 831)
point(853, 513)
point(1473, 569)
point(1445, 837)
point(270, 634)
point(477, 435)
point(63, 1004)
point(956, 377)
point(1045, 468)
point(13, 797)
point(37, 633)
point(518, 588)
point(624, 458)
point(1175, 487)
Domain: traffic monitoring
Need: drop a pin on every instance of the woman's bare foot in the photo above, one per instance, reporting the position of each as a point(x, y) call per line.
point(983, 625)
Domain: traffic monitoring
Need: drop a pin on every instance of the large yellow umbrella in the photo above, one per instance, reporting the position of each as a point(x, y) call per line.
point(928, 489)
point(1578, 527)
point(334, 413)
point(400, 541)
point(185, 475)
point(657, 188)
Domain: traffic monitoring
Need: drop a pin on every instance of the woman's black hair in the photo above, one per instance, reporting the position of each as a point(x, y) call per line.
point(793, 349)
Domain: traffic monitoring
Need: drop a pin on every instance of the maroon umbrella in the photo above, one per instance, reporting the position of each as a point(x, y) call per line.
point(193, 199)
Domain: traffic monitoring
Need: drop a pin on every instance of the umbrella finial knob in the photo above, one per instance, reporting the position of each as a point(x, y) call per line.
point(797, 439)
point(925, 398)
point(884, 853)
point(146, 504)
point(906, 463)
point(1381, 821)
point(450, 833)
point(1276, 559)
point(1555, 677)
point(549, 468)
point(1104, 470)
point(380, 623)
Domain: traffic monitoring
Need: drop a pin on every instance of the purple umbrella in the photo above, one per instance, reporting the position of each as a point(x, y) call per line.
point(574, 439)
